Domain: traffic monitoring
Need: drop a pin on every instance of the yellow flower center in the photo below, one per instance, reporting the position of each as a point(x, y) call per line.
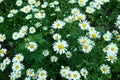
point(86, 47)
point(94, 35)
point(60, 46)
point(105, 69)
point(58, 24)
point(1, 51)
point(81, 1)
point(75, 75)
point(113, 49)
point(84, 41)
point(32, 46)
point(84, 25)
point(80, 17)
point(42, 74)
point(16, 67)
point(111, 57)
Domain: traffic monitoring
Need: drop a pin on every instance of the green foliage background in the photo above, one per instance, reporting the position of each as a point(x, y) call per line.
point(102, 20)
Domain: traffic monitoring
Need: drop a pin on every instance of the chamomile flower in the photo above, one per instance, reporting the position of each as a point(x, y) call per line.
point(69, 75)
point(45, 52)
point(3, 51)
point(17, 66)
point(112, 48)
point(26, 9)
point(60, 46)
point(56, 36)
point(84, 25)
point(94, 34)
point(15, 35)
point(68, 54)
point(31, 2)
point(81, 17)
point(75, 75)
point(111, 57)
point(14, 11)
point(107, 36)
point(37, 3)
point(1, 19)
point(10, 15)
point(105, 69)
point(42, 74)
point(2, 66)
point(18, 58)
point(87, 48)
point(82, 2)
point(6, 61)
point(58, 24)
point(75, 11)
point(83, 40)
point(53, 59)
point(90, 10)
point(19, 2)
point(40, 15)
point(64, 70)
point(2, 37)
point(84, 72)
point(32, 30)
point(30, 72)
point(28, 16)
point(32, 46)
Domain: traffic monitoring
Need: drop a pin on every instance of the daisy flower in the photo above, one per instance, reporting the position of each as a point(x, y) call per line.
point(1, 19)
point(56, 36)
point(75, 75)
point(42, 74)
point(2, 66)
point(18, 58)
point(19, 2)
point(30, 72)
point(17, 66)
point(2, 37)
point(58, 24)
point(111, 57)
point(107, 36)
point(82, 2)
point(6, 61)
point(87, 48)
point(105, 69)
point(3, 51)
point(84, 25)
point(84, 72)
point(32, 30)
point(26, 9)
point(15, 35)
point(32, 46)
point(75, 11)
point(45, 52)
point(90, 10)
point(53, 59)
point(31, 2)
point(60, 46)
point(94, 34)
point(112, 48)
point(80, 17)
point(39, 15)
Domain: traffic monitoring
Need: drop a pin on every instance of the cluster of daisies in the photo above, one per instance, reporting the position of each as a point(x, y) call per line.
point(73, 75)
point(34, 11)
point(39, 75)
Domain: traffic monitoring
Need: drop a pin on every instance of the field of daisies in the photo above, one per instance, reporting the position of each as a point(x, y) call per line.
point(59, 39)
